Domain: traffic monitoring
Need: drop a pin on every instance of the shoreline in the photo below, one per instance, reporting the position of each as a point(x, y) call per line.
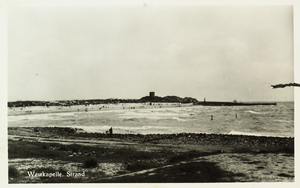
point(249, 141)
point(101, 131)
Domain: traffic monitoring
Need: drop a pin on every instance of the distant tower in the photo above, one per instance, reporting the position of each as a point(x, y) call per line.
point(152, 94)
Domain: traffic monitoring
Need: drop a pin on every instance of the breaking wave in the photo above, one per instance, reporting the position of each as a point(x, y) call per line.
point(244, 133)
point(254, 112)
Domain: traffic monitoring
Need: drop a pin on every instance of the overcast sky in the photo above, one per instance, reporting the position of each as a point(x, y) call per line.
point(221, 53)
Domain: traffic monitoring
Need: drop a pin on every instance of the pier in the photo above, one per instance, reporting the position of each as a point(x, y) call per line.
point(216, 103)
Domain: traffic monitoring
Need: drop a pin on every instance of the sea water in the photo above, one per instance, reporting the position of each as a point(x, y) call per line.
point(269, 120)
point(273, 120)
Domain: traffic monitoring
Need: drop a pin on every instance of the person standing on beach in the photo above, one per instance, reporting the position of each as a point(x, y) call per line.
point(110, 131)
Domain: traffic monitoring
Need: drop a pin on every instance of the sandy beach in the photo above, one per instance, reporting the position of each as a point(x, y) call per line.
point(72, 155)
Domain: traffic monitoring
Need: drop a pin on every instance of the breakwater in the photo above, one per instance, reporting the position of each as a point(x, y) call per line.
point(215, 103)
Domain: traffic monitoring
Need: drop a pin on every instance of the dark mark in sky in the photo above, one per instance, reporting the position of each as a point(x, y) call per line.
point(285, 85)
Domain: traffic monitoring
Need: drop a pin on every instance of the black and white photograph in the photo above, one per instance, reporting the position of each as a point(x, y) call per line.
point(150, 93)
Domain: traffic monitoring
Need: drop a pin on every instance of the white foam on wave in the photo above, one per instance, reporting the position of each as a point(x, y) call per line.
point(142, 127)
point(178, 119)
point(29, 117)
point(254, 112)
point(256, 134)
point(245, 133)
point(285, 121)
point(118, 128)
point(153, 115)
point(40, 116)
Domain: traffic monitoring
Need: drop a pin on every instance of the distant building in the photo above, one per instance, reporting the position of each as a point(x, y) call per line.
point(152, 94)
